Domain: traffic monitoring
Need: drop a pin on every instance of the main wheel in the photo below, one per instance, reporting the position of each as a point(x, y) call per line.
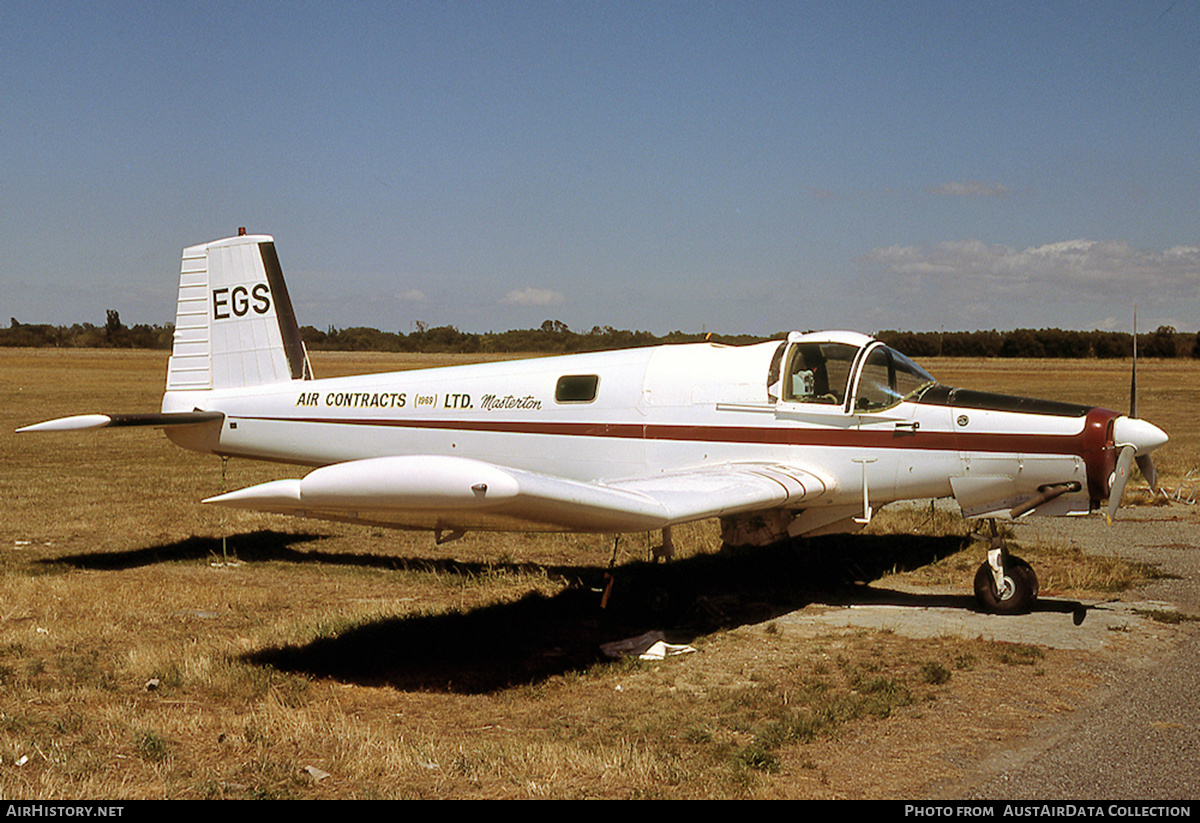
point(1019, 591)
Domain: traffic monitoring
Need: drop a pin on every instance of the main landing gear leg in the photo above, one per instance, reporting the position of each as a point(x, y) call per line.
point(649, 589)
point(667, 550)
point(1005, 584)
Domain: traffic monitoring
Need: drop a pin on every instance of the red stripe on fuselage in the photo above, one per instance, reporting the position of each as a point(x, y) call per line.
point(1024, 443)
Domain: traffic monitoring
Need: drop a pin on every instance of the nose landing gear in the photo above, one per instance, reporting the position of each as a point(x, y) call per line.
point(1005, 584)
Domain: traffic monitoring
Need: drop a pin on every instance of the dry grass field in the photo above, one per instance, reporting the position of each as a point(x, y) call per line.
point(151, 647)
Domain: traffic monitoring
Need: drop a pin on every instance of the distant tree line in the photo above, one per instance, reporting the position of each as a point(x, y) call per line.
point(1164, 341)
point(554, 337)
point(112, 335)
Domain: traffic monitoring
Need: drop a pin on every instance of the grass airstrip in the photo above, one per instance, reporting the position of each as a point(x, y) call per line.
point(152, 647)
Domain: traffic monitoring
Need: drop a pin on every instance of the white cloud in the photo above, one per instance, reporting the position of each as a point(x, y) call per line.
point(968, 188)
point(411, 296)
point(529, 296)
point(1092, 264)
point(971, 279)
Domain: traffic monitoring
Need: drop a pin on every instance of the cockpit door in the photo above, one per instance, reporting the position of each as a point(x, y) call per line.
point(885, 379)
point(916, 438)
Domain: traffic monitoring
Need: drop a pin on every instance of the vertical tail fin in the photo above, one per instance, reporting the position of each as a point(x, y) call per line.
point(234, 326)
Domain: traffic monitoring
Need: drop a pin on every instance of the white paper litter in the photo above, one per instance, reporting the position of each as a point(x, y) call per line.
point(661, 650)
point(649, 646)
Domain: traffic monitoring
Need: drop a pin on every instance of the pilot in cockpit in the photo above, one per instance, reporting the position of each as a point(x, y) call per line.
point(818, 373)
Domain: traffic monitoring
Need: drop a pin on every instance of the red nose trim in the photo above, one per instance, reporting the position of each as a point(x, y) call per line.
point(1099, 455)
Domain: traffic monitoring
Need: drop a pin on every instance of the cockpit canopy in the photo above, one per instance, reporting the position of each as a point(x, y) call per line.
point(846, 370)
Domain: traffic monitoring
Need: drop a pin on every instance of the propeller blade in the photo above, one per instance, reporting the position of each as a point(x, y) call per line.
point(1133, 375)
point(1146, 466)
point(1121, 477)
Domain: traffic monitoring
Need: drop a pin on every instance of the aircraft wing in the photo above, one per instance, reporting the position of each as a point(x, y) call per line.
point(440, 492)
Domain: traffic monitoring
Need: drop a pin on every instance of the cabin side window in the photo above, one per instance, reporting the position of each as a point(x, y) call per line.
point(576, 388)
point(773, 382)
point(819, 373)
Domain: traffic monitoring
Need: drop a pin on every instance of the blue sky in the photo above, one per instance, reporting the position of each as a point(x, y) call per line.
point(733, 167)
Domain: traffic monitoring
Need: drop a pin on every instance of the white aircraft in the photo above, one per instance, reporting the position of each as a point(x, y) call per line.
point(785, 438)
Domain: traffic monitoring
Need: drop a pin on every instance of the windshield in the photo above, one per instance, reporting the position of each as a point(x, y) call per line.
point(888, 377)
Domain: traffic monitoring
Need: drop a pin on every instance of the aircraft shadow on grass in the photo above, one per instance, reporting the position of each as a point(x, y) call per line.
point(260, 546)
point(508, 644)
point(267, 545)
point(537, 637)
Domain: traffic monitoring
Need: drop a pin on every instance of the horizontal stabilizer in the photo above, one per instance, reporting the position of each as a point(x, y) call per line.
point(83, 422)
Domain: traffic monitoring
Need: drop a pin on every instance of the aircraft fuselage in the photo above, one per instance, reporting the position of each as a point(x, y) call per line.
point(614, 416)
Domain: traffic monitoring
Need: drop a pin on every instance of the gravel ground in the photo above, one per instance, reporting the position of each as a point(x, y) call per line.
point(1138, 737)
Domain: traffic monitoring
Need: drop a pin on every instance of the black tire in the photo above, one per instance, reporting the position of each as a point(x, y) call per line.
point(658, 600)
point(1019, 596)
point(651, 592)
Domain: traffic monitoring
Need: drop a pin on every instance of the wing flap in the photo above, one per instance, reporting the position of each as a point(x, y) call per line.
point(434, 492)
point(730, 488)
